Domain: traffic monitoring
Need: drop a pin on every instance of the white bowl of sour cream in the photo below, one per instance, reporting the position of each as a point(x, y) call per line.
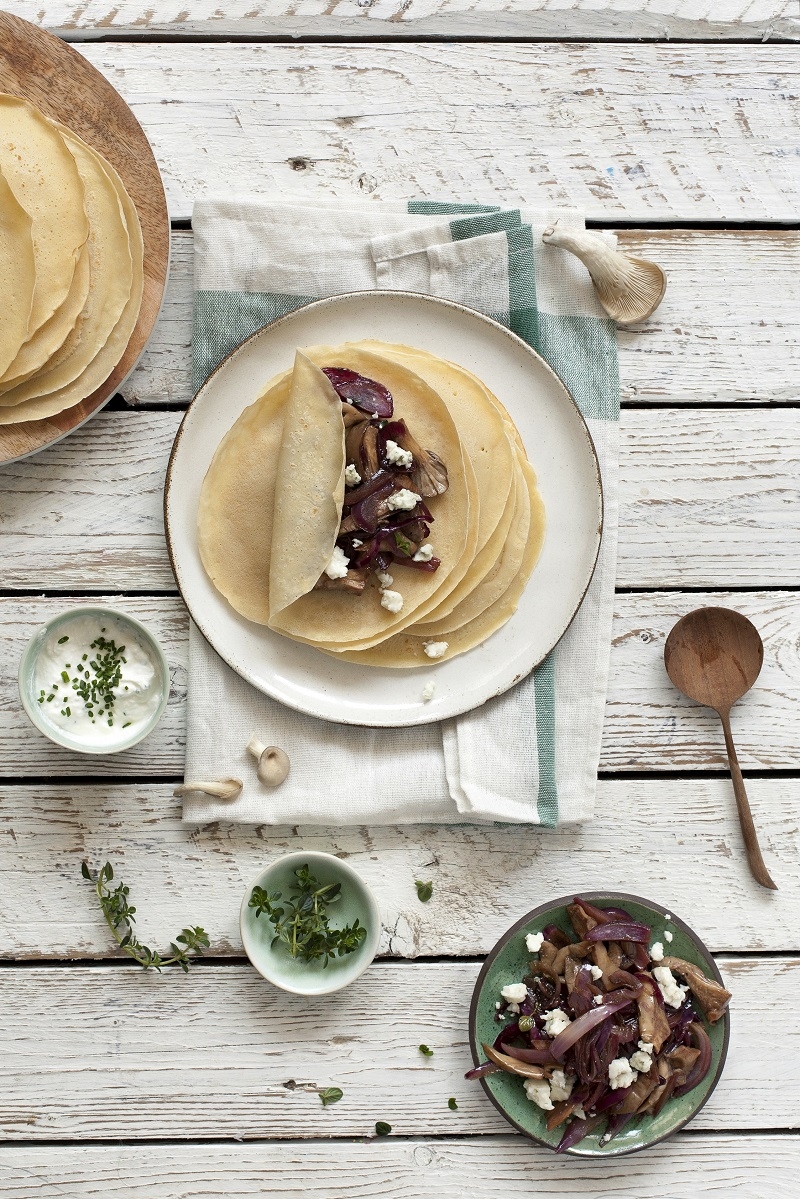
point(94, 680)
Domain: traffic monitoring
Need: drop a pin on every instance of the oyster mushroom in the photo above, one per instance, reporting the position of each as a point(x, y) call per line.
point(429, 473)
point(713, 998)
point(219, 788)
point(629, 289)
point(512, 1066)
point(273, 763)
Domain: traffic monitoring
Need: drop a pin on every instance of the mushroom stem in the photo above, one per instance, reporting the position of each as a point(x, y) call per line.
point(629, 289)
point(255, 747)
point(220, 789)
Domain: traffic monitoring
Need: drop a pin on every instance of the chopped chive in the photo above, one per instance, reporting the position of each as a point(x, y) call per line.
point(61, 640)
point(64, 676)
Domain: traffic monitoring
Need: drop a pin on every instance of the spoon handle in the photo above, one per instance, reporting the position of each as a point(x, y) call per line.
point(757, 867)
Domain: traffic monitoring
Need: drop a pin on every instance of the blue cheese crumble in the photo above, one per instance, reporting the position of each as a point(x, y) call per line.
point(337, 567)
point(398, 456)
point(403, 500)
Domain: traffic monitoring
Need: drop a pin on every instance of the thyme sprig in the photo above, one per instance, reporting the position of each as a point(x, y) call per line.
point(302, 924)
point(120, 917)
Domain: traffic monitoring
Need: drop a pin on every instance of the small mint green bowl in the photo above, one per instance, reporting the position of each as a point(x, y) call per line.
point(508, 962)
point(276, 964)
point(27, 672)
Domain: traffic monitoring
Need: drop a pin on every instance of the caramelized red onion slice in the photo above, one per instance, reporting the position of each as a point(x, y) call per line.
point(536, 1057)
point(614, 1002)
point(700, 1040)
point(363, 491)
point(615, 930)
point(363, 393)
point(575, 1131)
point(368, 512)
point(482, 1070)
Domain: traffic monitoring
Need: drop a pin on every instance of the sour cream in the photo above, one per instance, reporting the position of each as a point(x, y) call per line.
point(97, 681)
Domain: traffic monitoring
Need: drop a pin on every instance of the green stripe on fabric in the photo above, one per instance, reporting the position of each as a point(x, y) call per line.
point(524, 314)
point(524, 321)
point(544, 692)
point(476, 226)
point(583, 352)
point(222, 320)
point(441, 208)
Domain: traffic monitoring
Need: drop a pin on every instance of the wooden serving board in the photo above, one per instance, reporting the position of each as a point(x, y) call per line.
point(59, 81)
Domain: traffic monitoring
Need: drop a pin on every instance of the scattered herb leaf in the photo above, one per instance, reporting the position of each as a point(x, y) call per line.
point(425, 1051)
point(120, 918)
point(330, 1095)
point(424, 890)
point(382, 1128)
point(302, 925)
point(451, 1103)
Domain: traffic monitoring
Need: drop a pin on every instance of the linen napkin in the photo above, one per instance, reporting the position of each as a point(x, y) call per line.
point(530, 755)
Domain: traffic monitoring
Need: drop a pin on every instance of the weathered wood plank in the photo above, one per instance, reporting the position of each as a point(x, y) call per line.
point(695, 132)
point(727, 330)
point(649, 726)
point(675, 841)
point(707, 499)
point(658, 19)
point(704, 1164)
point(210, 1054)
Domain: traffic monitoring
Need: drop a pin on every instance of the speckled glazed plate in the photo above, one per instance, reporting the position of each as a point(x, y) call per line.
point(507, 963)
point(559, 447)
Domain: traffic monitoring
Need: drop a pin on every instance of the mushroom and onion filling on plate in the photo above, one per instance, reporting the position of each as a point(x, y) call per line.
point(600, 1029)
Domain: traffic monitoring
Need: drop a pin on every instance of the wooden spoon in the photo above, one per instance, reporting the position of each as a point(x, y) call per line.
point(714, 656)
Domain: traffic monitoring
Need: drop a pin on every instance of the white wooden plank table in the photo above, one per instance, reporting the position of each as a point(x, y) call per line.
point(679, 128)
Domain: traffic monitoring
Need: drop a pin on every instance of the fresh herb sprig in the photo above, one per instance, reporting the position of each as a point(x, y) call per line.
point(301, 924)
point(120, 917)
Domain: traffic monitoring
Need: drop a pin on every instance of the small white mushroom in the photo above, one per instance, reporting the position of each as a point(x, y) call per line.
point(630, 289)
point(220, 789)
point(273, 763)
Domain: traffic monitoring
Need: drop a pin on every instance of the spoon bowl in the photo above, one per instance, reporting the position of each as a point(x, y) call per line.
point(714, 656)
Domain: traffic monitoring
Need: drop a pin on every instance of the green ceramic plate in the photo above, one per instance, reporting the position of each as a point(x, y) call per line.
point(507, 963)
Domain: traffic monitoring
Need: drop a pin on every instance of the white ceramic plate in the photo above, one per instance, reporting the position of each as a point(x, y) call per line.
point(559, 447)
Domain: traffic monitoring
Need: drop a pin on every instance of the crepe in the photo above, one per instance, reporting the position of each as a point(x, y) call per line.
point(45, 180)
point(300, 552)
point(271, 506)
point(111, 350)
point(110, 266)
point(18, 272)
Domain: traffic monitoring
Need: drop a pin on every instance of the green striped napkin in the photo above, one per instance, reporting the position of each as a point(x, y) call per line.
point(256, 260)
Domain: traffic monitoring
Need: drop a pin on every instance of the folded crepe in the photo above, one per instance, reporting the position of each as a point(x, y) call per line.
point(271, 507)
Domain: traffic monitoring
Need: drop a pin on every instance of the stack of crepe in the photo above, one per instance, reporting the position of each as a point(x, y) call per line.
point(71, 255)
point(271, 505)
